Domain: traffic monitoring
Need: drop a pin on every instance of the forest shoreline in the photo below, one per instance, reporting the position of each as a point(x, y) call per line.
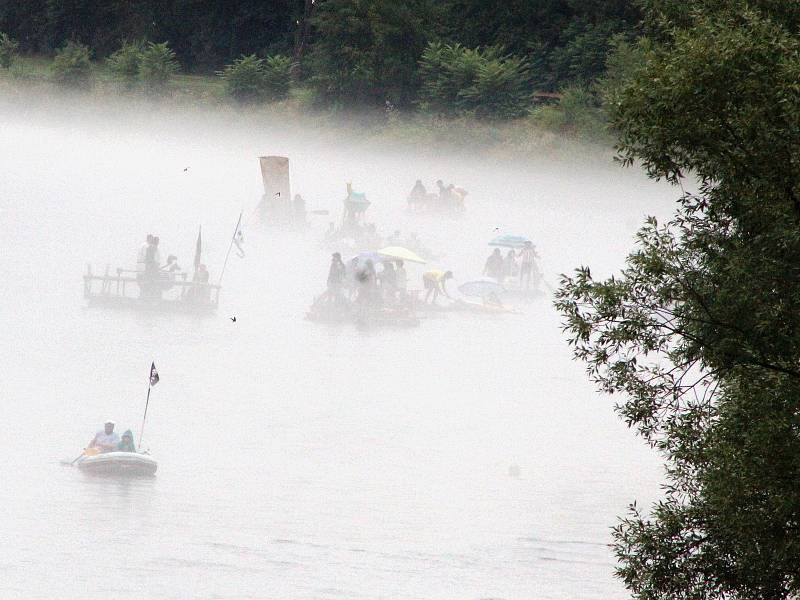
point(29, 80)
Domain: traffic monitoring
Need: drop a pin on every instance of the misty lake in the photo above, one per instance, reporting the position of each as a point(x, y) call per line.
point(469, 457)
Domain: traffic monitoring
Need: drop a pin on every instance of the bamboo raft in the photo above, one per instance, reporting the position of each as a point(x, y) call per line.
point(130, 289)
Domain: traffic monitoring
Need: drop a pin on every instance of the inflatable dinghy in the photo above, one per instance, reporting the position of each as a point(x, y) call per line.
point(132, 464)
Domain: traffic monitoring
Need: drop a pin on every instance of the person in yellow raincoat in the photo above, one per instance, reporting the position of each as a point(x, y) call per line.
point(433, 283)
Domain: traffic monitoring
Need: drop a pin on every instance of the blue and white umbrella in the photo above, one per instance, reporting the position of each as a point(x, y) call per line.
point(510, 241)
point(363, 257)
point(481, 288)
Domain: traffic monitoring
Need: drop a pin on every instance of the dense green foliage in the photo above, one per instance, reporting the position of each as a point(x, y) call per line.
point(157, 65)
point(368, 50)
point(277, 76)
point(244, 79)
point(458, 80)
point(8, 50)
point(578, 112)
point(250, 78)
point(565, 40)
point(351, 53)
point(205, 34)
point(700, 333)
point(72, 65)
point(124, 64)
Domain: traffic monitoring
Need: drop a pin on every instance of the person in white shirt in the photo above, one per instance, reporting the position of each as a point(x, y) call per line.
point(527, 256)
point(141, 258)
point(402, 278)
point(105, 440)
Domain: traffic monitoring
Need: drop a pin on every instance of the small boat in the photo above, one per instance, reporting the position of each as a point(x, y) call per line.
point(131, 464)
point(321, 312)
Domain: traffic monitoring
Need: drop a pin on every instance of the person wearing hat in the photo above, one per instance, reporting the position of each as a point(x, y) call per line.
point(105, 440)
point(172, 264)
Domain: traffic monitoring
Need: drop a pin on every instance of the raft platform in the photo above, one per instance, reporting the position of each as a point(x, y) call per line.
point(130, 289)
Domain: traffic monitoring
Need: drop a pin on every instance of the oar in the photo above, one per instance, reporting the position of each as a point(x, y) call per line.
point(69, 464)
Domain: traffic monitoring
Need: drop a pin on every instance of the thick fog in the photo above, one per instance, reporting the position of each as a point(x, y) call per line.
point(468, 457)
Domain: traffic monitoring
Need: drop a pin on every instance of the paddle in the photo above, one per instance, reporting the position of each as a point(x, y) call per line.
point(69, 464)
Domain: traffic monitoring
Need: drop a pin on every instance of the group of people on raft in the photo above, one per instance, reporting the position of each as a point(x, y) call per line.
point(521, 264)
point(154, 278)
point(447, 197)
point(106, 440)
point(364, 284)
point(361, 283)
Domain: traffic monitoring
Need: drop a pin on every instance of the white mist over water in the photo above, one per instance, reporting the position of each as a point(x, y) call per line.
point(298, 460)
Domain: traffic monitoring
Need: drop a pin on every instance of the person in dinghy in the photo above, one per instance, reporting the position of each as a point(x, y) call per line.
point(105, 440)
point(126, 445)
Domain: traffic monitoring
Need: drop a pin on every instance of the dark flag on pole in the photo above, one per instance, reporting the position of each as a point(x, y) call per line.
point(198, 249)
point(153, 380)
point(153, 375)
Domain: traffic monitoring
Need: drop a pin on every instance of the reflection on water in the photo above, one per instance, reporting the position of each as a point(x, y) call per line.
point(465, 458)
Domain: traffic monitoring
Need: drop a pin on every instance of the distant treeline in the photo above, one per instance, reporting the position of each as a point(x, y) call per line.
point(349, 52)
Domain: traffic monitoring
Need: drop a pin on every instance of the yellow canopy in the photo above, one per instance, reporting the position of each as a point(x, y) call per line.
point(399, 253)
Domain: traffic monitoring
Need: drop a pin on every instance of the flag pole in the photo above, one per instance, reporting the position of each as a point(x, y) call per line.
point(233, 237)
point(141, 431)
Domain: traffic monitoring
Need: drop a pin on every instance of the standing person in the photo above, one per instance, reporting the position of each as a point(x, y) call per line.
point(368, 284)
point(351, 277)
point(433, 283)
point(388, 281)
point(401, 278)
point(510, 264)
point(336, 277)
point(152, 258)
point(527, 256)
point(452, 197)
point(417, 195)
point(442, 192)
point(152, 269)
point(141, 257)
point(494, 266)
point(105, 440)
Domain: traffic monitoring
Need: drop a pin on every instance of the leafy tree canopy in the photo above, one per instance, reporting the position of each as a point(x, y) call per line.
point(700, 332)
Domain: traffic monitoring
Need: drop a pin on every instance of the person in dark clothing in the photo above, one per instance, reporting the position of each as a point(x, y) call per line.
point(388, 281)
point(152, 258)
point(367, 279)
point(495, 266)
point(510, 264)
point(417, 196)
point(336, 278)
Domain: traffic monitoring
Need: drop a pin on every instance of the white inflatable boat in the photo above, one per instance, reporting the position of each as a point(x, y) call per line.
point(131, 464)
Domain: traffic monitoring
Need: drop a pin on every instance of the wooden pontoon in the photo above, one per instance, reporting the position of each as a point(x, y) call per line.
point(139, 291)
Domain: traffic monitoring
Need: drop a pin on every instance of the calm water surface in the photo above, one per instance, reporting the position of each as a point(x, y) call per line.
point(298, 460)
